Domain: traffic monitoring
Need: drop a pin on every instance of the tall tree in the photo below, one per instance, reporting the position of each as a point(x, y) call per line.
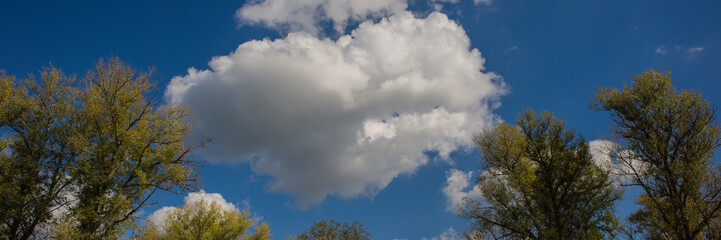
point(205, 220)
point(88, 154)
point(332, 230)
point(668, 138)
point(36, 122)
point(131, 147)
point(539, 181)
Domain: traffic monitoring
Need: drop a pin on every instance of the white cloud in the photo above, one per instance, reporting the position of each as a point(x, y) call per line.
point(306, 15)
point(445, 1)
point(159, 216)
point(662, 50)
point(612, 157)
point(694, 50)
point(310, 15)
point(680, 50)
point(602, 152)
point(457, 183)
point(343, 117)
point(486, 2)
point(450, 234)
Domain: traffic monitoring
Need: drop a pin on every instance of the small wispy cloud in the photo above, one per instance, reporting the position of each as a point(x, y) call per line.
point(450, 234)
point(477, 2)
point(694, 50)
point(679, 51)
point(662, 50)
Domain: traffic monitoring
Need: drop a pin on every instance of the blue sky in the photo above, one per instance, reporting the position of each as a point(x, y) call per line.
point(315, 100)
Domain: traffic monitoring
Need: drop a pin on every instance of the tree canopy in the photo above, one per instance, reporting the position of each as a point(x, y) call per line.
point(539, 181)
point(332, 230)
point(205, 221)
point(89, 154)
point(668, 137)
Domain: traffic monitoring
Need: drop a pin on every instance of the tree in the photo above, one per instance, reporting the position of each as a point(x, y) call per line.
point(36, 125)
point(332, 230)
point(97, 150)
point(669, 137)
point(539, 181)
point(202, 220)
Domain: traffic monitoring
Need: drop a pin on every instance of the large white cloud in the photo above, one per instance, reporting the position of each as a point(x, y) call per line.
point(307, 15)
point(343, 117)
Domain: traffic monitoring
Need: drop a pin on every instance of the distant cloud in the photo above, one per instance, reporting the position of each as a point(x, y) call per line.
point(460, 184)
point(606, 155)
point(158, 217)
point(344, 117)
point(486, 2)
point(450, 234)
point(457, 187)
point(661, 50)
point(306, 15)
point(679, 51)
point(692, 51)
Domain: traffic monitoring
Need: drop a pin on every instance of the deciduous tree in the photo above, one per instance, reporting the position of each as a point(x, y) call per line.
point(539, 181)
point(37, 120)
point(205, 221)
point(668, 136)
point(88, 155)
point(332, 230)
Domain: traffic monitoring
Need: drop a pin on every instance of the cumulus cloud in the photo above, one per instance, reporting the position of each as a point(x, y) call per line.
point(307, 15)
point(343, 117)
point(159, 216)
point(456, 189)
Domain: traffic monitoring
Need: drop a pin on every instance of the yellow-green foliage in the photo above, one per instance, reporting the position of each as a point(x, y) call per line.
point(672, 134)
point(332, 230)
point(97, 148)
point(540, 182)
point(36, 122)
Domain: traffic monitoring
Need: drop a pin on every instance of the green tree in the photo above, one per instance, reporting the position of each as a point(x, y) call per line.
point(332, 230)
point(539, 181)
point(36, 122)
point(205, 221)
point(105, 143)
point(669, 137)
